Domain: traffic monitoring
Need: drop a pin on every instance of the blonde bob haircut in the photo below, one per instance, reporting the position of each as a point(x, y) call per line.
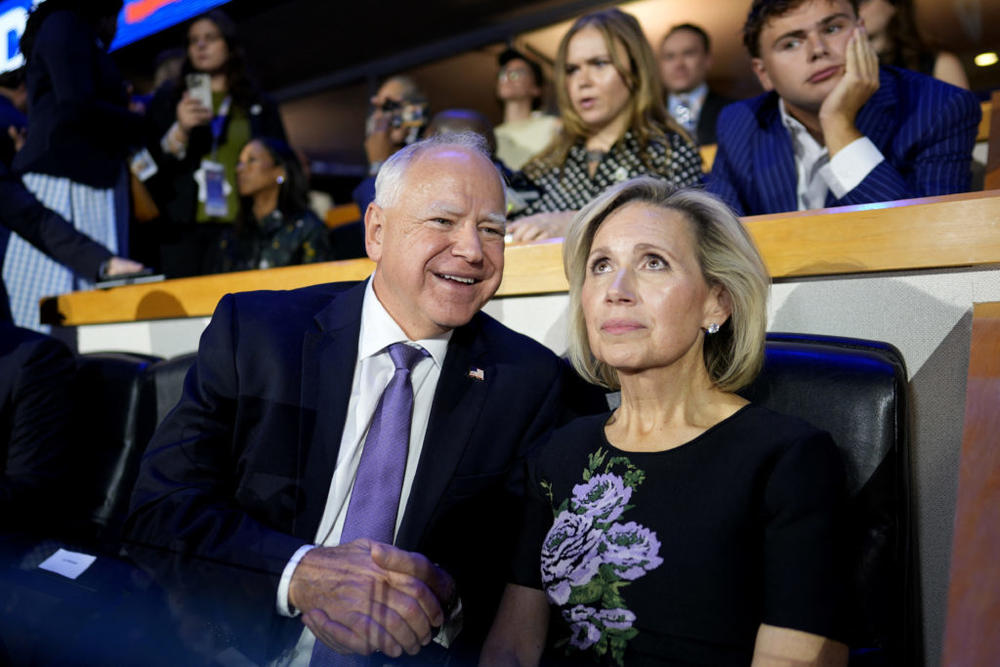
point(727, 257)
point(640, 72)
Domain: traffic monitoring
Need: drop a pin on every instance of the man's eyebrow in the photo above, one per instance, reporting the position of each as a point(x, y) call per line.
point(801, 32)
point(449, 209)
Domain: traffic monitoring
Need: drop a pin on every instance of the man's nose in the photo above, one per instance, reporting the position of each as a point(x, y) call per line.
point(818, 45)
point(467, 244)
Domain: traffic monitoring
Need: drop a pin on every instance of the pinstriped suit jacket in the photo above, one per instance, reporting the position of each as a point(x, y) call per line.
point(924, 128)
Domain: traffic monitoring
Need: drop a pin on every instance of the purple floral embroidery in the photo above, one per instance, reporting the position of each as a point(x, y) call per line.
point(631, 550)
point(603, 497)
point(568, 555)
point(588, 557)
point(585, 633)
point(615, 619)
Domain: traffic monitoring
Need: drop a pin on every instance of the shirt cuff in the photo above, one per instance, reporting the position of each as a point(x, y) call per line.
point(850, 166)
point(284, 608)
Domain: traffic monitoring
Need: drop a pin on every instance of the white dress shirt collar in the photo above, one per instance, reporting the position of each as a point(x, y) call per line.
point(379, 330)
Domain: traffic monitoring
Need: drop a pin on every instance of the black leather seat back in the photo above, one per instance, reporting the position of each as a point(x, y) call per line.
point(164, 383)
point(857, 391)
point(106, 414)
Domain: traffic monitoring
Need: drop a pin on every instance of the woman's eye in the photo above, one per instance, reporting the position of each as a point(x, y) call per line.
point(600, 266)
point(656, 262)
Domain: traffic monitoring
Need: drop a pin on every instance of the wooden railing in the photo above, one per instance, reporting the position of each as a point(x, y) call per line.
point(930, 233)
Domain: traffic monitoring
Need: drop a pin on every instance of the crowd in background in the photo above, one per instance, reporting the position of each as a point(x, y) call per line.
point(205, 164)
point(198, 177)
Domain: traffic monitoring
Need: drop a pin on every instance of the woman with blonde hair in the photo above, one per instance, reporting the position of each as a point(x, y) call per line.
point(687, 526)
point(615, 125)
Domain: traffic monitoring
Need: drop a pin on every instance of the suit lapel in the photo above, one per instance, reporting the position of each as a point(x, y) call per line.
point(329, 354)
point(458, 401)
point(774, 162)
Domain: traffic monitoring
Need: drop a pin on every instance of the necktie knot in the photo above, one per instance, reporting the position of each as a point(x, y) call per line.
point(404, 356)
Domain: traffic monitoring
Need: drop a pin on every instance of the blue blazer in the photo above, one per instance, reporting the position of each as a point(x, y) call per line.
point(924, 128)
point(239, 472)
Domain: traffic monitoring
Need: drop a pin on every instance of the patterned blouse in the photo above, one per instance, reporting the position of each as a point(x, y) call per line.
point(275, 241)
point(571, 187)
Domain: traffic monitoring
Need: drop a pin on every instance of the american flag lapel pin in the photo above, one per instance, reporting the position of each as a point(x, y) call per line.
point(477, 374)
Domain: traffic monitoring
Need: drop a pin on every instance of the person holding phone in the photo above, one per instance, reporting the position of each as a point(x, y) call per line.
point(74, 158)
point(199, 123)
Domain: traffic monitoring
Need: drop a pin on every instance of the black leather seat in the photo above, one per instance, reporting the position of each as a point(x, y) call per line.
point(107, 413)
point(856, 390)
point(162, 388)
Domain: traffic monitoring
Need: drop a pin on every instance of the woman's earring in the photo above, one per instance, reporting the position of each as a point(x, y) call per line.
point(280, 179)
point(712, 328)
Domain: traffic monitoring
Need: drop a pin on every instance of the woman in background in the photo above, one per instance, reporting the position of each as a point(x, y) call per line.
point(688, 526)
point(615, 125)
point(197, 147)
point(893, 34)
point(275, 226)
point(74, 159)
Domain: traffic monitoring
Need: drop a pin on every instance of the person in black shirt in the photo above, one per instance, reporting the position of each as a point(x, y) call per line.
point(688, 526)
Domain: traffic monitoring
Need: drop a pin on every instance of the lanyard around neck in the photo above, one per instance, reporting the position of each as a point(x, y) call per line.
point(219, 123)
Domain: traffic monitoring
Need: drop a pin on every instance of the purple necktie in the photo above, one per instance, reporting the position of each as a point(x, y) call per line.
point(375, 498)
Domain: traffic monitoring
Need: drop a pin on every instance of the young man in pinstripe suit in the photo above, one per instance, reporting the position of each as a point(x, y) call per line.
point(834, 128)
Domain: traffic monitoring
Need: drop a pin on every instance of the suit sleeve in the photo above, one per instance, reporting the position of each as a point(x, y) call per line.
point(47, 230)
point(722, 181)
point(940, 161)
point(184, 500)
point(38, 444)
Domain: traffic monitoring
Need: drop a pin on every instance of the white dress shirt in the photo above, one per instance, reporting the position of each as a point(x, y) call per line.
point(817, 174)
point(372, 372)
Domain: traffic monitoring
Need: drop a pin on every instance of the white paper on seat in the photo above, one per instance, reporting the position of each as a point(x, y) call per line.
point(69, 564)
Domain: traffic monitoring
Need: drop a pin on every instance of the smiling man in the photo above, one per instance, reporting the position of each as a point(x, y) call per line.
point(834, 128)
point(354, 444)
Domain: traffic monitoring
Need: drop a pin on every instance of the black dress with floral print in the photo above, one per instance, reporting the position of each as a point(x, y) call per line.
point(678, 556)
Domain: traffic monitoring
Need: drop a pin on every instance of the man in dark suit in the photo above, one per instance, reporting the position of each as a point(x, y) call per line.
point(836, 129)
point(685, 58)
point(256, 467)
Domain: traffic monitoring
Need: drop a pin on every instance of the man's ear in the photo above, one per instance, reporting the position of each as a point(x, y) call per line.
point(374, 231)
point(761, 71)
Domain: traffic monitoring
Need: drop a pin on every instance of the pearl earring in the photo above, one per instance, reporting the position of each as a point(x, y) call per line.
point(280, 179)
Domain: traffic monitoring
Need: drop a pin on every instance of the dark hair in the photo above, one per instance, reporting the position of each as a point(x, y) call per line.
point(293, 194)
point(93, 12)
point(762, 11)
point(12, 78)
point(908, 49)
point(510, 53)
point(690, 27)
point(238, 81)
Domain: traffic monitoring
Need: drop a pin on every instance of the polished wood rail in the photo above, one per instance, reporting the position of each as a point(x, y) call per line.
point(929, 233)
